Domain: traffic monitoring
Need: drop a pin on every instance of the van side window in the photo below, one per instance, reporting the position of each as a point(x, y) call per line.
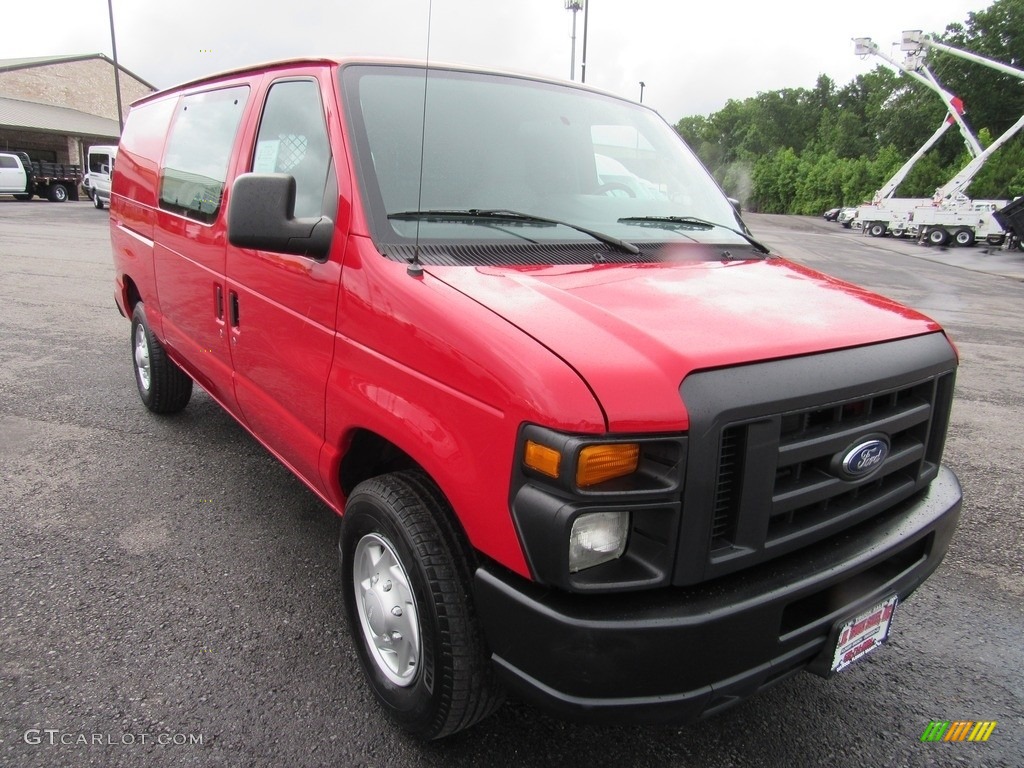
point(195, 164)
point(293, 140)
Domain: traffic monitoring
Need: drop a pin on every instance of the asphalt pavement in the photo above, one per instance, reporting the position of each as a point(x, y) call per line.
point(169, 593)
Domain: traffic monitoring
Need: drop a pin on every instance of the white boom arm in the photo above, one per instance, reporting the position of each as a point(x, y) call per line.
point(959, 182)
point(913, 41)
point(864, 45)
point(897, 178)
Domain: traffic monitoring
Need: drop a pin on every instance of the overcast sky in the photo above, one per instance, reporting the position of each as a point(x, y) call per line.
point(692, 56)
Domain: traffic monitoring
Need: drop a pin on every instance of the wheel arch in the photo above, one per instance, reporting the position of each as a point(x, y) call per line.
point(369, 454)
point(130, 294)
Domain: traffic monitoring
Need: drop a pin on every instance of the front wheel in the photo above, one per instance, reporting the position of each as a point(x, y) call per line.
point(97, 202)
point(406, 584)
point(163, 386)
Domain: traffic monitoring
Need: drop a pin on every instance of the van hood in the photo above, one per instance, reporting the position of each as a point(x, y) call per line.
point(634, 332)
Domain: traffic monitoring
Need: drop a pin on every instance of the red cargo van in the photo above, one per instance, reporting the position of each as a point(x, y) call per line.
point(589, 439)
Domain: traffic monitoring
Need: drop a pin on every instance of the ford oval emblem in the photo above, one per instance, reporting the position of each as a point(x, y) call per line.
point(864, 458)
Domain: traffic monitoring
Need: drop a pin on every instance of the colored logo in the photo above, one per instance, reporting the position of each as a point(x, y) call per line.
point(864, 458)
point(958, 730)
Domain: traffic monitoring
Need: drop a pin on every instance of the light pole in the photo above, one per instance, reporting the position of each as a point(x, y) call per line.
point(117, 71)
point(575, 6)
point(641, 91)
point(583, 64)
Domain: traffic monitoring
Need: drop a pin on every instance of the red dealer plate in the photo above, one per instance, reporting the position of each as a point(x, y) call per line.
point(861, 635)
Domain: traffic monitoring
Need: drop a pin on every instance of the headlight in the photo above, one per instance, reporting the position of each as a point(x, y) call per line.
point(598, 512)
point(597, 537)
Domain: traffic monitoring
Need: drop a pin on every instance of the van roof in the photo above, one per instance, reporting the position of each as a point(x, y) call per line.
point(342, 61)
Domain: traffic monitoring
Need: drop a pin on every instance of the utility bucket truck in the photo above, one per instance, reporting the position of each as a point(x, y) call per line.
point(952, 217)
point(886, 214)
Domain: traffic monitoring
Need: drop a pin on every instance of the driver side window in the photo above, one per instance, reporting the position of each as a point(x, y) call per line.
point(293, 140)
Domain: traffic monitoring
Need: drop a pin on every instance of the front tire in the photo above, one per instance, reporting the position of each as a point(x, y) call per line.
point(97, 202)
point(406, 581)
point(163, 387)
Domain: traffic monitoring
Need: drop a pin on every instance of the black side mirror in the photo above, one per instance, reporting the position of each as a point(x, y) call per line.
point(261, 215)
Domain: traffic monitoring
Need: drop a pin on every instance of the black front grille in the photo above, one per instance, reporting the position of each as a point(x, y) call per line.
point(809, 494)
point(809, 497)
point(767, 441)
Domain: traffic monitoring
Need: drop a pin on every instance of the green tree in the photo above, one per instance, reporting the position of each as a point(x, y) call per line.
point(804, 150)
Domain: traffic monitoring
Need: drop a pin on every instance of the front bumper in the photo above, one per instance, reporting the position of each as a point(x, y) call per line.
point(680, 653)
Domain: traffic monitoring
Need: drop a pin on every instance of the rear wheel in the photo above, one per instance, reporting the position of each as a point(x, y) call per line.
point(964, 236)
point(938, 236)
point(58, 193)
point(406, 584)
point(163, 386)
point(877, 229)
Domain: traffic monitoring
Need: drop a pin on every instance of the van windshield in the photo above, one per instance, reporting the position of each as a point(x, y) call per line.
point(504, 143)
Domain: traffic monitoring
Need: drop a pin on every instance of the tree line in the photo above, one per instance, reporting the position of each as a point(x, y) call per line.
point(803, 151)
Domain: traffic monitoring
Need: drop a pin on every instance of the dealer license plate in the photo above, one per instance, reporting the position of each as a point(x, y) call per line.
point(861, 635)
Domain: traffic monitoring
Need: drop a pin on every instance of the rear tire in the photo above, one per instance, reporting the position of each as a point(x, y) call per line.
point(406, 581)
point(964, 236)
point(877, 229)
point(58, 193)
point(163, 386)
point(938, 236)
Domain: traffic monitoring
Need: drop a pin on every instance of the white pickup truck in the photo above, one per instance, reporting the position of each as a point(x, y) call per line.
point(24, 178)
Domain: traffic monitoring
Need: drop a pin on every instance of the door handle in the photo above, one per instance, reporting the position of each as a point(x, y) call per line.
point(233, 298)
point(219, 301)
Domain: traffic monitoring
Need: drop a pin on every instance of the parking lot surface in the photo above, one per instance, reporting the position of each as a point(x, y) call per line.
point(169, 593)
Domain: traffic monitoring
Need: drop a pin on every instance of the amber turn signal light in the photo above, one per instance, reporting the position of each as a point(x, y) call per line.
point(598, 463)
point(542, 459)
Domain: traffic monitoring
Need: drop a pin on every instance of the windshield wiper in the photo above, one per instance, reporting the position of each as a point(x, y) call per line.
point(674, 222)
point(500, 214)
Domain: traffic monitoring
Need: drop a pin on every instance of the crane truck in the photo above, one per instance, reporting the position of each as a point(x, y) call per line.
point(886, 214)
point(951, 216)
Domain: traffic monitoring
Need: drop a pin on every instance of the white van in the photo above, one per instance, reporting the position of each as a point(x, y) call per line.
point(101, 165)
